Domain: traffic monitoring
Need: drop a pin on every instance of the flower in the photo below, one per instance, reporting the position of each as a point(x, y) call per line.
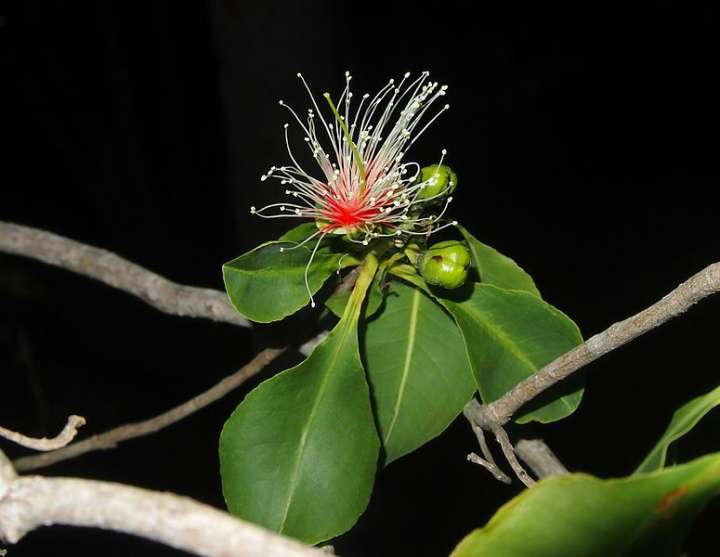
point(366, 190)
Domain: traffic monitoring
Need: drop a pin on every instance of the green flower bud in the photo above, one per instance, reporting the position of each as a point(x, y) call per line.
point(445, 264)
point(440, 179)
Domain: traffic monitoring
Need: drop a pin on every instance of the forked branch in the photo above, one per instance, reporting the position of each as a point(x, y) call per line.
point(112, 438)
point(492, 416)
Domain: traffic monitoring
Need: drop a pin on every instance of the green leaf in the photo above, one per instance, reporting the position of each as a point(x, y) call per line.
point(298, 455)
point(509, 336)
point(330, 242)
point(579, 515)
point(300, 233)
point(417, 367)
point(267, 284)
point(495, 268)
point(683, 420)
point(337, 301)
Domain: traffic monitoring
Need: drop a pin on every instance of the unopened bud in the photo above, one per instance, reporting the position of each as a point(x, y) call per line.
point(445, 264)
point(439, 179)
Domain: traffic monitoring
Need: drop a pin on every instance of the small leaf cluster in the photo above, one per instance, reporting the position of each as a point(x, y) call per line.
point(421, 330)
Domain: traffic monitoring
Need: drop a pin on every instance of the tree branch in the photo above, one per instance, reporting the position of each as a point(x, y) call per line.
point(538, 456)
point(113, 270)
point(491, 417)
point(29, 502)
point(508, 450)
point(486, 461)
point(7, 474)
point(62, 439)
point(111, 438)
point(699, 286)
point(32, 501)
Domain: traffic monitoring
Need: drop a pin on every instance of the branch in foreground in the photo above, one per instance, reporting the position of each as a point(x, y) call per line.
point(111, 438)
point(62, 439)
point(32, 501)
point(7, 475)
point(113, 270)
point(699, 286)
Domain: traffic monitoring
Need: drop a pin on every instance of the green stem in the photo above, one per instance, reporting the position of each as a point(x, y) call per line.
point(367, 273)
point(348, 138)
point(412, 251)
point(409, 274)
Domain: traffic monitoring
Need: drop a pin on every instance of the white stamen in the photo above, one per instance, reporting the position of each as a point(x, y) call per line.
point(382, 190)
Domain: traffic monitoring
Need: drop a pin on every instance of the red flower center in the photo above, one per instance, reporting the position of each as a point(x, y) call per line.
point(347, 214)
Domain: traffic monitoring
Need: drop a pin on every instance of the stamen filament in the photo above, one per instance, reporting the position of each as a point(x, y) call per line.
point(367, 190)
point(348, 138)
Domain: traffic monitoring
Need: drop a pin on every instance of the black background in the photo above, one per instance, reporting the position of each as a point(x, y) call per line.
point(585, 139)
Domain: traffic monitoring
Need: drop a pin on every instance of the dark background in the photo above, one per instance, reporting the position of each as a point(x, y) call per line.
point(585, 139)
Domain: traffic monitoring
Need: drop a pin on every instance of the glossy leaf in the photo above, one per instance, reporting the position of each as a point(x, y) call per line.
point(267, 284)
point(497, 269)
point(579, 515)
point(299, 454)
point(417, 367)
point(300, 233)
point(510, 335)
point(683, 420)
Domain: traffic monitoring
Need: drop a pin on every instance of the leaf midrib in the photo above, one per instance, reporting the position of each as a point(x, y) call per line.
point(346, 327)
point(502, 336)
point(294, 479)
point(499, 333)
point(412, 329)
